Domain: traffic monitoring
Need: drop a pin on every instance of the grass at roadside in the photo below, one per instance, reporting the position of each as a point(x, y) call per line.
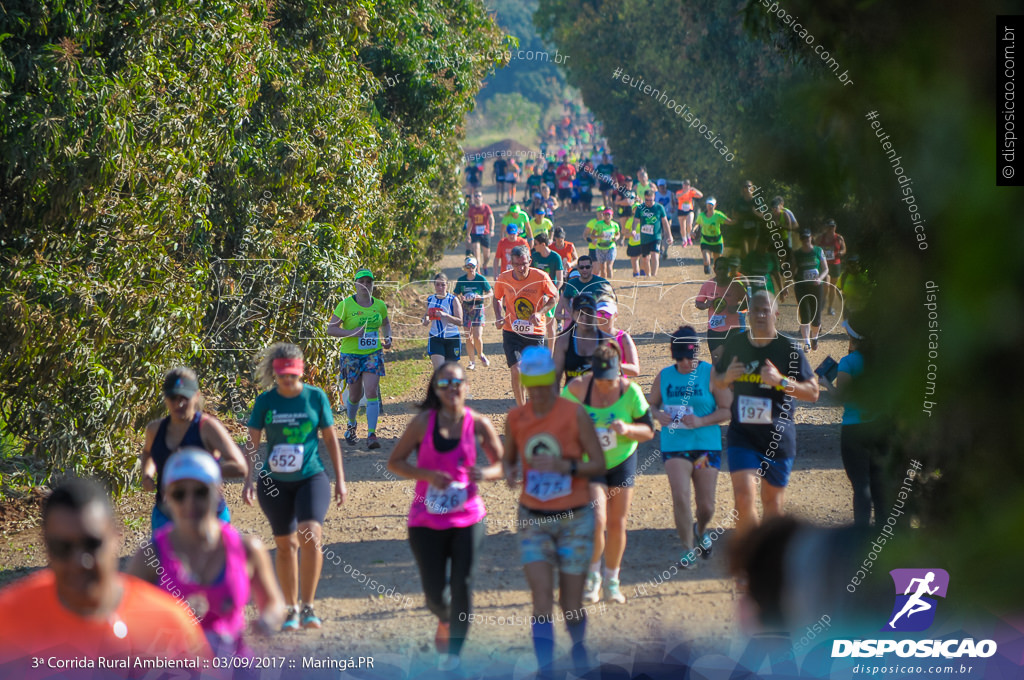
point(406, 368)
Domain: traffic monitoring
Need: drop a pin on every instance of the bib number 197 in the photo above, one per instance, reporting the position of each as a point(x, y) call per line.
point(755, 410)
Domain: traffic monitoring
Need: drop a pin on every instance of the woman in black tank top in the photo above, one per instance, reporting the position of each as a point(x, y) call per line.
point(577, 343)
point(186, 426)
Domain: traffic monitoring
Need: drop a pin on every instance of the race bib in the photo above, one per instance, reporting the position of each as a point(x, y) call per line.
point(369, 340)
point(755, 410)
point(481, 228)
point(679, 412)
point(647, 229)
point(443, 501)
point(522, 326)
point(469, 295)
point(810, 274)
point(608, 439)
point(286, 458)
point(565, 184)
point(716, 321)
point(830, 254)
point(546, 486)
point(434, 313)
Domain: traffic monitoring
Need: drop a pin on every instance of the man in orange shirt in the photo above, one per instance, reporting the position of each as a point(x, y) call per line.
point(522, 297)
point(81, 608)
point(510, 240)
point(564, 248)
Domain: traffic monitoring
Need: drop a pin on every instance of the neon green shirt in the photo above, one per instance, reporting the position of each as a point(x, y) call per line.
point(370, 319)
point(605, 234)
point(630, 406)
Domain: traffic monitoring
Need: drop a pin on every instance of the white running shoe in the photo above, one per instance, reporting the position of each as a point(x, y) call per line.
point(592, 588)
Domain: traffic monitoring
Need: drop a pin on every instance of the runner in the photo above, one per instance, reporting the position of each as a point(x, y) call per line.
point(586, 282)
point(811, 271)
point(446, 519)
point(186, 425)
point(748, 220)
point(81, 606)
point(444, 313)
point(604, 235)
point(709, 225)
point(643, 182)
point(549, 262)
point(473, 171)
point(479, 227)
point(684, 206)
point(787, 223)
point(833, 246)
point(766, 373)
point(534, 181)
point(564, 248)
point(547, 439)
point(599, 213)
point(722, 297)
point(663, 197)
point(607, 316)
point(651, 225)
point(548, 200)
point(855, 285)
point(207, 562)
point(359, 320)
point(474, 291)
point(623, 419)
point(605, 174)
point(537, 225)
point(633, 248)
point(585, 177)
point(522, 298)
point(625, 199)
point(689, 411)
point(579, 341)
point(863, 439)
point(511, 177)
point(296, 493)
point(760, 268)
point(549, 177)
point(500, 168)
point(510, 240)
point(516, 216)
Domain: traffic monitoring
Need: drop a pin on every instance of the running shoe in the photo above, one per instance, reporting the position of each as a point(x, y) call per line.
point(814, 343)
point(291, 620)
point(704, 542)
point(310, 619)
point(635, 275)
point(612, 592)
point(688, 560)
point(486, 273)
point(372, 442)
point(707, 269)
point(448, 663)
point(807, 347)
point(350, 435)
point(485, 361)
point(592, 588)
point(831, 312)
point(471, 366)
point(441, 637)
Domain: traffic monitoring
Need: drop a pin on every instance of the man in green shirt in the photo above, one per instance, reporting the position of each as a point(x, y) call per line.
point(516, 216)
point(650, 222)
point(549, 262)
point(605, 172)
point(474, 292)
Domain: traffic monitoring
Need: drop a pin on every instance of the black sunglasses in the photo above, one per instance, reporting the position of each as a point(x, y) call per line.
point(200, 493)
point(584, 266)
point(61, 549)
point(445, 383)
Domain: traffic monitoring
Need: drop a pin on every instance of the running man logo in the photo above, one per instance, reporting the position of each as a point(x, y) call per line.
point(542, 444)
point(523, 308)
point(913, 609)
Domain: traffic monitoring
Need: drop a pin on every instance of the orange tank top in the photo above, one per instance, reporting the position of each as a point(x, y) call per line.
point(555, 434)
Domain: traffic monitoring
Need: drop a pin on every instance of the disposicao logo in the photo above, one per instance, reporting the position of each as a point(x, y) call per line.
point(913, 611)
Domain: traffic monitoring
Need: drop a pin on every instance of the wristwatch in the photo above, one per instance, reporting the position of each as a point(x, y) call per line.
point(785, 383)
point(573, 467)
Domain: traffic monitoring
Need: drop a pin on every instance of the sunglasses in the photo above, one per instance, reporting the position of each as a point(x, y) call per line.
point(584, 266)
point(604, 315)
point(61, 549)
point(445, 383)
point(199, 493)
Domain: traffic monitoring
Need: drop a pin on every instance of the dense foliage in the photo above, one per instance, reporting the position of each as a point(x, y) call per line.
point(184, 182)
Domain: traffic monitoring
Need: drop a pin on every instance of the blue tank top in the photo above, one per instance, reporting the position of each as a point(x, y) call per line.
point(689, 393)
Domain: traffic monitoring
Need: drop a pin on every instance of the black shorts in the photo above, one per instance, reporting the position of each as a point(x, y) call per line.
point(712, 247)
point(716, 339)
point(564, 194)
point(474, 183)
point(605, 187)
point(586, 198)
point(835, 270)
point(510, 179)
point(648, 248)
point(622, 475)
point(808, 297)
point(633, 251)
point(684, 213)
point(303, 500)
point(483, 239)
point(449, 348)
point(514, 343)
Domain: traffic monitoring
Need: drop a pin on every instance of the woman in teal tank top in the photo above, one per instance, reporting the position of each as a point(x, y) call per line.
point(689, 411)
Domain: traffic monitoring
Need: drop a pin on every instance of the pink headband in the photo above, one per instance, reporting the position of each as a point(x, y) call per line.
point(288, 366)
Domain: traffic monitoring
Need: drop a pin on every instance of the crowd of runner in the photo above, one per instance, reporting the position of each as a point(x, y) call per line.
point(571, 437)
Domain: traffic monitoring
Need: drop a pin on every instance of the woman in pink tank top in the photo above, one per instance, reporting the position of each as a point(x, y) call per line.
point(446, 517)
point(205, 563)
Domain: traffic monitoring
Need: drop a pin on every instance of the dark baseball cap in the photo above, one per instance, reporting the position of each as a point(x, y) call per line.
point(584, 301)
point(178, 385)
point(684, 343)
point(605, 369)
